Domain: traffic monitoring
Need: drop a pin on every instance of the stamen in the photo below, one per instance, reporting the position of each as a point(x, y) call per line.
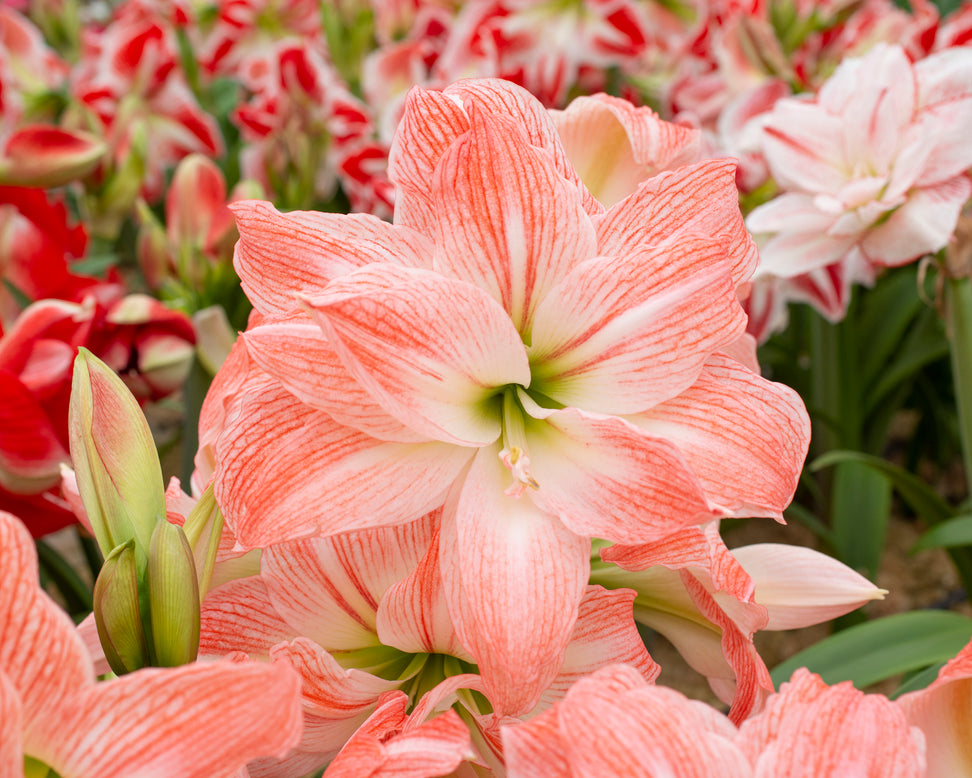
point(518, 463)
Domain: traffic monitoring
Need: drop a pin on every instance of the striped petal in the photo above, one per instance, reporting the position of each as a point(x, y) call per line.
point(621, 334)
point(430, 350)
point(319, 378)
point(287, 470)
point(810, 730)
point(605, 634)
point(614, 146)
point(514, 578)
point(744, 438)
point(194, 721)
point(328, 589)
point(283, 255)
point(413, 615)
point(700, 198)
point(238, 616)
point(392, 745)
point(507, 221)
point(604, 478)
point(41, 655)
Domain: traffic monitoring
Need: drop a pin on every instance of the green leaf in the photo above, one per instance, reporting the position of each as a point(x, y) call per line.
point(871, 652)
point(19, 296)
point(885, 314)
point(949, 534)
point(918, 680)
point(919, 496)
point(861, 506)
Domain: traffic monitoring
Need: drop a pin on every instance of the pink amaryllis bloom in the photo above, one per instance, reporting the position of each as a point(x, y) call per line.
point(613, 723)
point(364, 613)
point(197, 720)
point(549, 370)
point(873, 168)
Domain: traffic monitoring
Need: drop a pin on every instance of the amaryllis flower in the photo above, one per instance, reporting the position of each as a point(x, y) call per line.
point(872, 169)
point(613, 723)
point(196, 720)
point(36, 243)
point(364, 614)
point(548, 370)
point(130, 80)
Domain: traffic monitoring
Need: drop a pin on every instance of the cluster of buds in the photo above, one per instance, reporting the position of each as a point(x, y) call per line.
point(147, 596)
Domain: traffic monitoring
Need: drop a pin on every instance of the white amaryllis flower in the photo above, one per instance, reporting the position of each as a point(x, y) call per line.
point(873, 168)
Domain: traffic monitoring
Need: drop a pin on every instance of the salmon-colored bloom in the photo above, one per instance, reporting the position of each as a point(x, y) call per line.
point(549, 370)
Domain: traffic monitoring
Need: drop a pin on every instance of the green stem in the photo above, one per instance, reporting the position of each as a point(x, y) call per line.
point(75, 591)
point(958, 307)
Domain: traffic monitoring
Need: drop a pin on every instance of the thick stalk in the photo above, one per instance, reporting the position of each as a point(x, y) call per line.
point(958, 307)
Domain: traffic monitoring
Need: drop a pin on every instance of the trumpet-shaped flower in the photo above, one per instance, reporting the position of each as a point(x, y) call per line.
point(549, 370)
point(196, 720)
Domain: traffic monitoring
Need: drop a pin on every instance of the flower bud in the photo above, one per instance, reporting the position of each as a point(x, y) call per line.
point(173, 596)
point(42, 155)
point(118, 471)
point(117, 613)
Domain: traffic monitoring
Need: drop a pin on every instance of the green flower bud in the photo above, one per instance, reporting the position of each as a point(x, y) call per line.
point(117, 466)
point(173, 596)
point(117, 613)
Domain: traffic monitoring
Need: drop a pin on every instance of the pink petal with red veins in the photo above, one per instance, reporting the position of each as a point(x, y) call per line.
point(621, 334)
point(430, 123)
point(319, 378)
point(41, 654)
point(413, 615)
point(614, 146)
point(536, 749)
point(282, 255)
point(11, 730)
point(714, 631)
point(391, 745)
point(239, 616)
point(506, 220)
point(613, 723)
point(504, 98)
point(810, 730)
point(30, 451)
point(336, 700)
point(745, 438)
point(432, 351)
point(514, 577)
point(943, 712)
point(290, 471)
point(605, 478)
point(923, 225)
point(328, 589)
point(194, 721)
point(700, 198)
point(605, 633)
